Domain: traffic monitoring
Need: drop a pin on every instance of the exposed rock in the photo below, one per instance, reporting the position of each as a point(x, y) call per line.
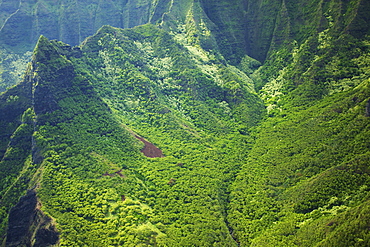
point(48, 53)
point(29, 226)
point(21, 24)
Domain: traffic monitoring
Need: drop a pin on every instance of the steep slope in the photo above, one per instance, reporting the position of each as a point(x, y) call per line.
point(16, 146)
point(71, 21)
point(22, 22)
point(235, 28)
point(157, 135)
point(89, 104)
point(308, 169)
point(307, 172)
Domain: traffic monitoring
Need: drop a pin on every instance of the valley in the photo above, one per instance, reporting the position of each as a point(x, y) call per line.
point(234, 123)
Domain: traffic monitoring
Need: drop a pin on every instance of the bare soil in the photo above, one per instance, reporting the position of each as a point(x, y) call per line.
point(149, 150)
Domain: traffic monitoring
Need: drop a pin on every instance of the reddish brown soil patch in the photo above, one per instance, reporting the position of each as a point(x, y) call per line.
point(108, 174)
point(119, 173)
point(149, 150)
point(172, 181)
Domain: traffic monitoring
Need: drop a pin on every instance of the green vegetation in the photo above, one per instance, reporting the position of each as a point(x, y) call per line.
point(92, 176)
point(12, 68)
point(267, 152)
point(307, 165)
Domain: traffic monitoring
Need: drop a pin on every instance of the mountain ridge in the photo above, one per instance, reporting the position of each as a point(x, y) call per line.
point(235, 28)
point(256, 153)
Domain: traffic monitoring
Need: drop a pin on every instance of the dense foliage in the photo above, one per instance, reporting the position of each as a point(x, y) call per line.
point(270, 153)
point(93, 177)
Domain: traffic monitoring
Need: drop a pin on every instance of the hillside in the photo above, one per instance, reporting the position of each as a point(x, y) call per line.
point(233, 27)
point(196, 130)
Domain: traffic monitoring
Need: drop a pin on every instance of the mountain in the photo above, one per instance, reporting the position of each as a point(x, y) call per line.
point(199, 124)
point(234, 28)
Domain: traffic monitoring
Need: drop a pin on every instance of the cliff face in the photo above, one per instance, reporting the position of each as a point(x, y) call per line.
point(69, 21)
point(259, 111)
point(240, 26)
point(235, 28)
point(88, 95)
point(22, 23)
point(29, 226)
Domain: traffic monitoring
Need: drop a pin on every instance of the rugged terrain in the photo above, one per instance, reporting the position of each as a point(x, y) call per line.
point(207, 124)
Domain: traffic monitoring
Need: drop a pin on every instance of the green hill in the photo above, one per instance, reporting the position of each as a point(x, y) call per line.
point(219, 124)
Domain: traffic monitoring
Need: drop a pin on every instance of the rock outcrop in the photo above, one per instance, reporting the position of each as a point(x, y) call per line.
point(29, 226)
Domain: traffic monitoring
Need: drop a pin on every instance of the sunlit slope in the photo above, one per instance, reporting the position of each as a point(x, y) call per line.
point(170, 135)
point(90, 102)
